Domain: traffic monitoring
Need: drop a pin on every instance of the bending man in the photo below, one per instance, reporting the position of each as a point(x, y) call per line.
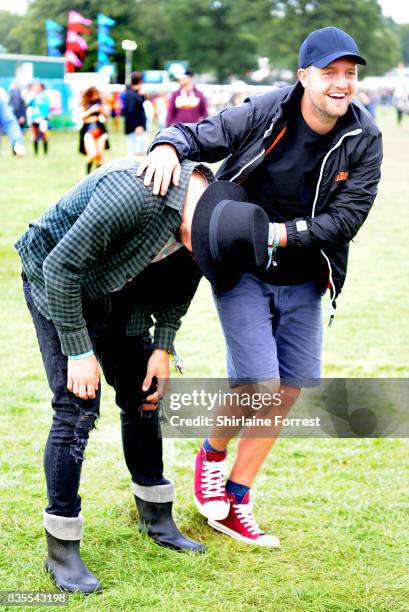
point(96, 267)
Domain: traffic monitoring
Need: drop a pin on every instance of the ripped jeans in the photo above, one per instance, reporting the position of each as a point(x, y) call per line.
point(123, 360)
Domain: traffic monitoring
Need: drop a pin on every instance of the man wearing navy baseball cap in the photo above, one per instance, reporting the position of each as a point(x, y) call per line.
point(309, 155)
point(324, 46)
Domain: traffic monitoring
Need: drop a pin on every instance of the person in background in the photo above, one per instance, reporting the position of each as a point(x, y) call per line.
point(9, 125)
point(400, 101)
point(161, 110)
point(40, 109)
point(117, 110)
point(93, 134)
point(149, 112)
point(110, 101)
point(17, 104)
point(369, 100)
point(133, 111)
point(187, 104)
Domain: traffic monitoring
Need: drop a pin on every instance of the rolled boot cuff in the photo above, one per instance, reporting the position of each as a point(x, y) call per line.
point(160, 494)
point(63, 527)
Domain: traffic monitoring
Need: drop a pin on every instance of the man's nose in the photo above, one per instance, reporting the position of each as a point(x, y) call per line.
point(341, 81)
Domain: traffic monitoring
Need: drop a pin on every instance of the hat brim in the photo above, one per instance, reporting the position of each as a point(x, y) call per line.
point(221, 277)
point(322, 62)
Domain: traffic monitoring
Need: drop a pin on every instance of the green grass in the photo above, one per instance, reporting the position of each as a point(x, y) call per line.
point(340, 507)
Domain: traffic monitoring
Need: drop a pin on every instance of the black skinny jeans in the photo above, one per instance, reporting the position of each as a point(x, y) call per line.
point(123, 360)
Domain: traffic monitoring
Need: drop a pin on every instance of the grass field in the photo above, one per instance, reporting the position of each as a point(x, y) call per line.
point(340, 507)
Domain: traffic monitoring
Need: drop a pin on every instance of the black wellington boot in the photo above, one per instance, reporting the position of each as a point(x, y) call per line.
point(155, 519)
point(67, 570)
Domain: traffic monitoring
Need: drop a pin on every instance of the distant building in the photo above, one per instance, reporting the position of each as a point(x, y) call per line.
point(49, 70)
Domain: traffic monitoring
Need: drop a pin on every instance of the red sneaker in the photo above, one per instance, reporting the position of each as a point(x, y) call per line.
point(210, 495)
point(241, 524)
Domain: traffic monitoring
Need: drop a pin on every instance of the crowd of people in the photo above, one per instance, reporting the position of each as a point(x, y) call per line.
point(30, 107)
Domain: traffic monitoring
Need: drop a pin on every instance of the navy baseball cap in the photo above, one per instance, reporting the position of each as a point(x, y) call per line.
point(324, 46)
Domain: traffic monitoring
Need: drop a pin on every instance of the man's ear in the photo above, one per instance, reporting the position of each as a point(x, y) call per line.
point(302, 74)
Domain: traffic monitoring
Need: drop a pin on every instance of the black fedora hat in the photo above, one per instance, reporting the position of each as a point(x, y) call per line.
point(229, 234)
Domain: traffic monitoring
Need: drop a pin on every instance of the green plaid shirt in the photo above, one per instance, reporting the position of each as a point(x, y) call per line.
point(97, 237)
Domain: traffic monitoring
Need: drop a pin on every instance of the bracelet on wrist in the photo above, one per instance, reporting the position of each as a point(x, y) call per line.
point(82, 356)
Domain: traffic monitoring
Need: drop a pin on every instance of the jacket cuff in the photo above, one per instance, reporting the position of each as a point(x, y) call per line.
point(164, 338)
point(75, 343)
point(291, 228)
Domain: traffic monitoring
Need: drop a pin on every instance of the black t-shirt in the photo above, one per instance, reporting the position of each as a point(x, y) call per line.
point(284, 186)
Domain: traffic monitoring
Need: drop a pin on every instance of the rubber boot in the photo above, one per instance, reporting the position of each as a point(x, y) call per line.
point(63, 561)
point(155, 519)
point(66, 567)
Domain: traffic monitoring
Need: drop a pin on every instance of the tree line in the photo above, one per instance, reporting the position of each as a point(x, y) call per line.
point(220, 37)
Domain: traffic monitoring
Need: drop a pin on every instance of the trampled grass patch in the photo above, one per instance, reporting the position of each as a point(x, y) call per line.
point(340, 507)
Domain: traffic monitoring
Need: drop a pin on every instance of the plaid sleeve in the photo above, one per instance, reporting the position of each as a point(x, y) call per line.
point(166, 325)
point(168, 320)
point(140, 321)
point(112, 211)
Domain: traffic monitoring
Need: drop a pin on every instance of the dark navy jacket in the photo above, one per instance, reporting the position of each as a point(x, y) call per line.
point(348, 180)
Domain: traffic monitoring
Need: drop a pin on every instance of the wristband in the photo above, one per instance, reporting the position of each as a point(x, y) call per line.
point(177, 361)
point(277, 234)
point(83, 356)
point(273, 242)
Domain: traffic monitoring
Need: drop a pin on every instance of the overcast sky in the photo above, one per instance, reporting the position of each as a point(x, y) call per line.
point(397, 9)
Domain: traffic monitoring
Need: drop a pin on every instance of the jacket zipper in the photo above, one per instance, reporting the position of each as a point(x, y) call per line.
point(263, 151)
point(324, 161)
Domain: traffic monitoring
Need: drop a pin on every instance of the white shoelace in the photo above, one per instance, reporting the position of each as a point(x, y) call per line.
point(213, 478)
point(246, 517)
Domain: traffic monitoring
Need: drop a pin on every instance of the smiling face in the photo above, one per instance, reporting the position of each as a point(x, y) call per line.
point(327, 93)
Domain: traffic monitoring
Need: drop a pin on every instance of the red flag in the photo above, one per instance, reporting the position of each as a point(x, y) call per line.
point(80, 29)
point(76, 46)
point(73, 59)
point(75, 40)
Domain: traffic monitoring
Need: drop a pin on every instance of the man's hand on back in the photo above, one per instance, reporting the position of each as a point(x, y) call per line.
point(162, 164)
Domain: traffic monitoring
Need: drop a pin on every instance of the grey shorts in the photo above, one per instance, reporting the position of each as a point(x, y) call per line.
point(272, 332)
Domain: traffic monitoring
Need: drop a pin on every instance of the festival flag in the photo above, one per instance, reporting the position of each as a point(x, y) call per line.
point(54, 34)
point(77, 43)
point(104, 20)
point(73, 59)
point(76, 46)
point(79, 28)
point(106, 45)
point(74, 18)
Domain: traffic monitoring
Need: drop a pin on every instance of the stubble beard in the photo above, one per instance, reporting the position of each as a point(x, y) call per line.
point(326, 117)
